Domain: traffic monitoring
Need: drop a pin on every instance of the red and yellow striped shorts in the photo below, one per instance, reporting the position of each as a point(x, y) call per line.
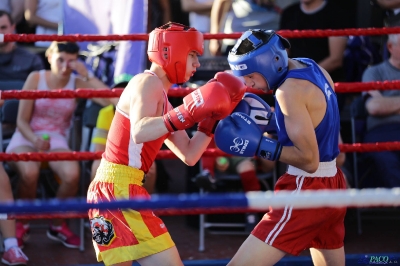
point(123, 235)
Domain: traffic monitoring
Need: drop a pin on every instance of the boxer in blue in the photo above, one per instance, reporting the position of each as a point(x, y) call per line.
point(307, 126)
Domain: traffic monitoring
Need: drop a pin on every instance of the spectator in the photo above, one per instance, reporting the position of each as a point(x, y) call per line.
point(13, 254)
point(15, 62)
point(111, 17)
point(383, 121)
point(15, 8)
point(46, 16)
point(177, 14)
point(392, 8)
point(199, 17)
point(159, 13)
point(229, 16)
point(327, 52)
point(282, 4)
point(100, 133)
point(52, 117)
point(390, 17)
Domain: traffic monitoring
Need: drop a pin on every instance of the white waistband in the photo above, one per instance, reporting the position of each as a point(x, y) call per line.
point(325, 169)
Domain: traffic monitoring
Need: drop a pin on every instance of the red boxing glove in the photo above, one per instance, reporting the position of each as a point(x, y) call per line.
point(236, 86)
point(207, 126)
point(212, 100)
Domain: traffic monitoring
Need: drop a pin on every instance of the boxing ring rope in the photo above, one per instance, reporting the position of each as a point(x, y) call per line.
point(318, 33)
point(340, 87)
point(167, 154)
point(196, 204)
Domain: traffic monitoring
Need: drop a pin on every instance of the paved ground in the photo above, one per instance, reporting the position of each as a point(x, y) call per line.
point(378, 237)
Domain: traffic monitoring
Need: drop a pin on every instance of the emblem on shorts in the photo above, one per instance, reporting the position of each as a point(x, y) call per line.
point(102, 230)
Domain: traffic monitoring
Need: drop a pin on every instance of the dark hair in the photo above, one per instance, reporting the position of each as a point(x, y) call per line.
point(58, 47)
point(5, 13)
point(171, 24)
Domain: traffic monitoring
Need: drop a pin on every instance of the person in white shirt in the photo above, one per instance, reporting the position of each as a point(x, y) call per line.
point(46, 15)
point(199, 17)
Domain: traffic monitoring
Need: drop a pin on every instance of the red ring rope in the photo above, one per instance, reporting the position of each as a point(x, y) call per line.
point(167, 154)
point(340, 87)
point(318, 33)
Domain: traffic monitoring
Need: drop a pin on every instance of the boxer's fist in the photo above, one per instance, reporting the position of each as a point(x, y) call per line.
point(213, 100)
point(239, 135)
point(207, 126)
point(259, 111)
point(236, 86)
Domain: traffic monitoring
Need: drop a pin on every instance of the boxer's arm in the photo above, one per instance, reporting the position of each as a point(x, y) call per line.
point(145, 108)
point(379, 105)
point(304, 153)
point(143, 100)
point(189, 150)
point(207, 126)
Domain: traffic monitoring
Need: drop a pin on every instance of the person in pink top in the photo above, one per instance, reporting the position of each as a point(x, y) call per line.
point(43, 125)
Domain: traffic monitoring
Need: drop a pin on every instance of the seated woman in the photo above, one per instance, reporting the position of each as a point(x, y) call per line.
point(51, 118)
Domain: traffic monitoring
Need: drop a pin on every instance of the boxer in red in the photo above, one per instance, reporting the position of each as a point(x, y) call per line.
point(143, 121)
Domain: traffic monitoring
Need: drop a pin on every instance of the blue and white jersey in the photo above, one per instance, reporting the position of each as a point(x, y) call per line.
point(327, 131)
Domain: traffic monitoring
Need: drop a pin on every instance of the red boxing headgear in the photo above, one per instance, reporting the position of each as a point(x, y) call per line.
point(169, 46)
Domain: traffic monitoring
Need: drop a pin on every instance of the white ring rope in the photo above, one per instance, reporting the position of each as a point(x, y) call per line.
point(231, 201)
point(325, 198)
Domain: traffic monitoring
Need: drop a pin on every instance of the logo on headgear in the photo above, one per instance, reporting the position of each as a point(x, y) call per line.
point(238, 67)
point(102, 230)
point(237, 147)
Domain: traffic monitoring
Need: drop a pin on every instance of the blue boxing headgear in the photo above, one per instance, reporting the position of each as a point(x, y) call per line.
point(261, 51)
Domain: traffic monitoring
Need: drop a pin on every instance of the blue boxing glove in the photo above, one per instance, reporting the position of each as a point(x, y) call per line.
point(255, 107)
point(239, 135)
